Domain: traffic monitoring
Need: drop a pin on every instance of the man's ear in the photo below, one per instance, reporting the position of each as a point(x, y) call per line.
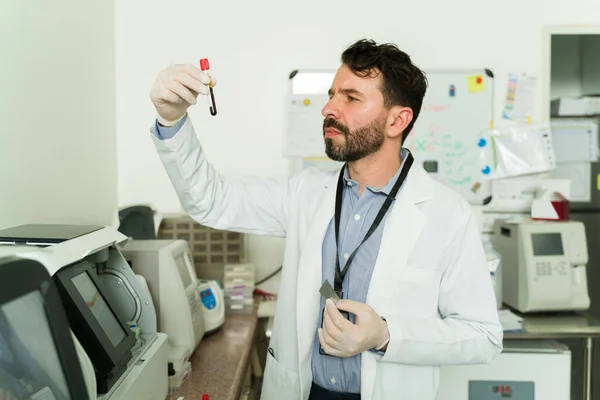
point(398, 119)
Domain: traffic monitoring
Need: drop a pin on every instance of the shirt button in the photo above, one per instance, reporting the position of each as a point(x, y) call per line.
point(349, 183)
point(357, 217)
point(346, 256)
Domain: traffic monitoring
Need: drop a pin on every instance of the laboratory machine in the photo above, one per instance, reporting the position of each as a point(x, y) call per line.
point(168, 268)
point(579, 163)
point(38, 356)
point(525, 370)
point(109, 311)
point(544, 265)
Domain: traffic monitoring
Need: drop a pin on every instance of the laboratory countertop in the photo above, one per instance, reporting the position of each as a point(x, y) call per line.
point(556, 326)
point(220, 361)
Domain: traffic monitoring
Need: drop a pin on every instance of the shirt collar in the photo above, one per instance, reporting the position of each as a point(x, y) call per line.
point(388, 187)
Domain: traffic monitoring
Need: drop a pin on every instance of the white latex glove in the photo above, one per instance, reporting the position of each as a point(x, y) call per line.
point(176, 88)
point(340, 337)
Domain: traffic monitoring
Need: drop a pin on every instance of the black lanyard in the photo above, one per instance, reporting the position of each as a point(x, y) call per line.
point(340, 275)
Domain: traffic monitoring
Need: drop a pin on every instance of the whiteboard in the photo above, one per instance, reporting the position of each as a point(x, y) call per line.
point(457, 108)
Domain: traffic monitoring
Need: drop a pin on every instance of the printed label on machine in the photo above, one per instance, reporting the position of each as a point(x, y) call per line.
point(208, 299)
point(493, 390)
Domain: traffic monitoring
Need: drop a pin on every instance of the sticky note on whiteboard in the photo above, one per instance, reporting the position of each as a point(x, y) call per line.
point(475, 83)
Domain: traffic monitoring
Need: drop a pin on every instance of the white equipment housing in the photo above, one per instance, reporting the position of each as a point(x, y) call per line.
point(544, 265)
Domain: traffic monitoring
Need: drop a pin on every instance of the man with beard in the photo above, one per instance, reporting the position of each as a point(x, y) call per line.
point(402, 252)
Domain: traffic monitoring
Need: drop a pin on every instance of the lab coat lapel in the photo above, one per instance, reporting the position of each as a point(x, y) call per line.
point(401, 231)
point(310, 272)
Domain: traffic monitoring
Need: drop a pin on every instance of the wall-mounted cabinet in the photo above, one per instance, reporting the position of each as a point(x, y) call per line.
point(571, 68)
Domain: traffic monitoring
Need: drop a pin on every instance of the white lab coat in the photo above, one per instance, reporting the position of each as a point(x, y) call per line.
point(431, 281)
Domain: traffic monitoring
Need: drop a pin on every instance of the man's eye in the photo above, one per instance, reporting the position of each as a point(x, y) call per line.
point(350, 98)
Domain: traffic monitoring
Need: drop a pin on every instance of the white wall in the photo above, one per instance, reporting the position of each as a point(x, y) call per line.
point(57, 88)
point(253, 46)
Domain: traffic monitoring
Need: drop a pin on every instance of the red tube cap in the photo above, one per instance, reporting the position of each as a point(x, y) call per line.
point(204, 66)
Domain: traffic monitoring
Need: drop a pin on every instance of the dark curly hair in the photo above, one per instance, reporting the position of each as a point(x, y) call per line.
point(403, 83)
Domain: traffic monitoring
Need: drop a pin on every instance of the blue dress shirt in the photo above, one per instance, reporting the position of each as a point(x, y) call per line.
point(165, 133)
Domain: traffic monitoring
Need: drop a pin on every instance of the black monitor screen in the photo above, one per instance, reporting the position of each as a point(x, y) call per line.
point(29, 362)
point(97, 305)
point(547, 244)
point(105, 338)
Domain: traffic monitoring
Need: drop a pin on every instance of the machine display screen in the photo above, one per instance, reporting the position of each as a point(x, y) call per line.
point(29, 363)
point(103, 314)
point(547, 244)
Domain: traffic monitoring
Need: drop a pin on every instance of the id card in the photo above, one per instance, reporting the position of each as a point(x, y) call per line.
point(328, 292)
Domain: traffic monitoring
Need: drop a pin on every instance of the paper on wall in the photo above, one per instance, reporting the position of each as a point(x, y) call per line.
point(576, 143)
point(580, 175)
point(520, 98)
point(516, 150)
point(305, 125)
point(475, 83)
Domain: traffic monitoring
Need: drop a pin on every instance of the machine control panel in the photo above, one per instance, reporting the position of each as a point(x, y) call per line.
point(547, 268)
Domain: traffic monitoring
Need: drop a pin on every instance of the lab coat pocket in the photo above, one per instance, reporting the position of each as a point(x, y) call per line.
point(413, 292)
point(279, 383)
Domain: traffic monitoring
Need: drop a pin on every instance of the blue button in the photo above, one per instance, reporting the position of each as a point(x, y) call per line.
point(482, 142)
point(486, 170)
